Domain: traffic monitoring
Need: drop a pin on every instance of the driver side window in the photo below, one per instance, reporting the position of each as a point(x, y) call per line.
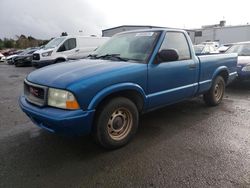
point(67, 45)
point(177, 41)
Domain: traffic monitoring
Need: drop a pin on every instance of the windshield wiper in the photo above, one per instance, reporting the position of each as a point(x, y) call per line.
point(112, 56)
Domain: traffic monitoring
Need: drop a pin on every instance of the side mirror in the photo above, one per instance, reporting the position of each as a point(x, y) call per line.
point(168, 55)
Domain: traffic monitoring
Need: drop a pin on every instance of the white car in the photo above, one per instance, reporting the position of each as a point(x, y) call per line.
point(2, 58)
point(205, 49)
point(66, 47)
point(223, 48)
point(10, 59)
point(214, 44)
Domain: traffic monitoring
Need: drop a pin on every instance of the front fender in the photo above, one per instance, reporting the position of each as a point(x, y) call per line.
point(113, 89)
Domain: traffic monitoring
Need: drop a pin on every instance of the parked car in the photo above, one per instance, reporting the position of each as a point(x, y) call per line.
point(223, 48)
point(25, 59)
point(214, 44)
point(134, 72)
point(2, 58)
point(243, 66)
point(8, 52)
point(66, 47)
point(204, 49)
point(11, 59)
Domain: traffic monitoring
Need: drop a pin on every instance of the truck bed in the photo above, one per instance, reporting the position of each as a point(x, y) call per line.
point(211, 64)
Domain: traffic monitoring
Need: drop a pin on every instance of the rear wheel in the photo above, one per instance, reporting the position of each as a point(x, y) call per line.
point(215, 95)
point(117, 123)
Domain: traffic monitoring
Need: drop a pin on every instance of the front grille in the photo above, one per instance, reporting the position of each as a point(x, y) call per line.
point(35, 94)
point(36, 56)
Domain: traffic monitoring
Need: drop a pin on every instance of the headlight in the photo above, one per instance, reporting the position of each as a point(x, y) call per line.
point(246, 68)
point(62, 99)
point(47, 54)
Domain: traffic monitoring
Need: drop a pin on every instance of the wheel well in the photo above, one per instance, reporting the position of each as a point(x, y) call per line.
point(224, 75)
point(132, 95)
point(60, 59)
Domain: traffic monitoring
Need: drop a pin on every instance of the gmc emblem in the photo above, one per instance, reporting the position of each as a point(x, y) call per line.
point(34, 91)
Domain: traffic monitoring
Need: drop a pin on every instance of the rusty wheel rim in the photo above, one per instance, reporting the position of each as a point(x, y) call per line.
point(119, 124)
point(218, 91)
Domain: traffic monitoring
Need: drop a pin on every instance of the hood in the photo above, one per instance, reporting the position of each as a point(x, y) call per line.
point(23, 56)
point(11, 56)
point(64, 74)
point(243, 60)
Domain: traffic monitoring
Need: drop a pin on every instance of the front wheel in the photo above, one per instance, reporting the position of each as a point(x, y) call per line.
point(116, 124)
point(59, 61)
point(215, 95)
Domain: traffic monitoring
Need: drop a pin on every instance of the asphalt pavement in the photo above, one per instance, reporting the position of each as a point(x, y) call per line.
point(182, 145)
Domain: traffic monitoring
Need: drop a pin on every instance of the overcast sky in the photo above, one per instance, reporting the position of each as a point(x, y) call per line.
point(48, 18)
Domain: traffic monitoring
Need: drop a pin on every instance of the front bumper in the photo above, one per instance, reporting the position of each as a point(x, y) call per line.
point(42, 63)
point(243, 75)
point(59, 121)
point(10, 61)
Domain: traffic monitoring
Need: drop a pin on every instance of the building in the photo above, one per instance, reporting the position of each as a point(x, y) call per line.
point(112, 31)
point(222, 34)
point(217, 32)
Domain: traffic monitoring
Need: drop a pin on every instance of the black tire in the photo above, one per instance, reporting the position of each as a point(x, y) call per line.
point(59, 61)
point(215, 94)
point(117, 114)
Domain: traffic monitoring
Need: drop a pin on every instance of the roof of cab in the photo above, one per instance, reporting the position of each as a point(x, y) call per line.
point(153, 30)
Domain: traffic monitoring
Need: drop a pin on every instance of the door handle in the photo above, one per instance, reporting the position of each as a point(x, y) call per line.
point(77, 50)
point(192, 66)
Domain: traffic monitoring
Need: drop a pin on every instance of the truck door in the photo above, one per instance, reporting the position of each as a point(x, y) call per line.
point(172, 81)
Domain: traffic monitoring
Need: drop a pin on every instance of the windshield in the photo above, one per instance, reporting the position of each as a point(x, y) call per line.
point(135, 46)
point(32, 51)
point(198, 48)
point(241, 49)
point(54, 42)
point(25, 51)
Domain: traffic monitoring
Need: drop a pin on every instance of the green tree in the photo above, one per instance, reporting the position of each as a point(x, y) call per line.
point(1, 44)
point(9, 43)
point(21, 42)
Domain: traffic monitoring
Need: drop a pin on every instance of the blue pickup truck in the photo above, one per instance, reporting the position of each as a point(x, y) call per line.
point(133, 73)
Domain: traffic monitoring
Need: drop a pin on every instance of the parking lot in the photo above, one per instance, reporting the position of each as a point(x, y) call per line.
point(183, 145)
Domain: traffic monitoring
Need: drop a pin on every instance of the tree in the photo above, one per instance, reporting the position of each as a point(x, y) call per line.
point(9, 43)
point(21, 42)
point(1, 44)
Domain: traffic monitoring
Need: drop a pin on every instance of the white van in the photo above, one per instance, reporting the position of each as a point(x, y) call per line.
point(66, 47)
